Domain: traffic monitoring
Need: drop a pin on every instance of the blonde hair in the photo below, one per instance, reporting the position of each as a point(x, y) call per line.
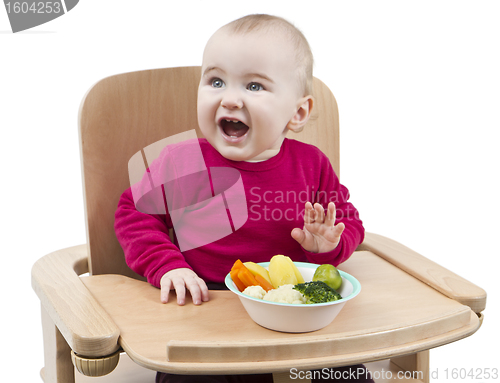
point(259, 22)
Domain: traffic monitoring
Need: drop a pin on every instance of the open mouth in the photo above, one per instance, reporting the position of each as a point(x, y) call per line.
point(233, 128)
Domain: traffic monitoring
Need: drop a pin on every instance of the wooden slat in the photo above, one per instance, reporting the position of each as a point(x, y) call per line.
point(416, 364)
point(58, 367)
point(84, 324)
point(385, 371)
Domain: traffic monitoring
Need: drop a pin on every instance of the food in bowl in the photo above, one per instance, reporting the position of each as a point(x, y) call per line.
point(243, 277)
point(301, 293)
point(329, 274)
point(283, 294)
point(317, 292)
point(282, 271)
point(296, 318)
point(255, 292)
point(256, 269)
point(256, 281)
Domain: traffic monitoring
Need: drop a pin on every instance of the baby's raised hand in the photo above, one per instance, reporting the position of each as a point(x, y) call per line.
point(320, 234)
point(180, 280)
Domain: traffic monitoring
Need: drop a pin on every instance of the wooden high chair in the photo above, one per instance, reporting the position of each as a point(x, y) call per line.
point(407, 305)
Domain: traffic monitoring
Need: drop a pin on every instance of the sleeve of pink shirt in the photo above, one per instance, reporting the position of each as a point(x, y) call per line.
point(144, 236)
point(145, 241)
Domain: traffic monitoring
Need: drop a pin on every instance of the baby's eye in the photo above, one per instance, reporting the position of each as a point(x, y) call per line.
point(217, 83)
point(255, 86)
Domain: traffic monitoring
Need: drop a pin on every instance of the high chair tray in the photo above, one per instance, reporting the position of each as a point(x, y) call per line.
point(394, 314)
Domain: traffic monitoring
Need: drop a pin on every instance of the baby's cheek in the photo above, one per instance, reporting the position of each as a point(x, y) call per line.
point(205, 116)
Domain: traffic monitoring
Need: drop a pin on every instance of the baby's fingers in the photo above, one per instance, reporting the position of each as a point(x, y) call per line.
point(330, 215)
point(181, 280)
point(173, 281)
point(339, 228)
point(166, 285)
point(309, 213)
point(180, 291)
point(319, 213)
point(298, 235)
point(198, 290)
point(177, 284)
point(313, 214)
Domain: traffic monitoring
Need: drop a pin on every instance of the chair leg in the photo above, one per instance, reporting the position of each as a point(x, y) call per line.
point(417, 364)
point(58, 366)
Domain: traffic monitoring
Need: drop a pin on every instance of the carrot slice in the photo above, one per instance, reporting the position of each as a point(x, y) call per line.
point(263, 282)
point(246, 277)
point(239, 284)
point(237, 265)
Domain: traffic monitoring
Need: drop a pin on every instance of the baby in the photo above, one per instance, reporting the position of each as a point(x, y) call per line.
point(256, 85)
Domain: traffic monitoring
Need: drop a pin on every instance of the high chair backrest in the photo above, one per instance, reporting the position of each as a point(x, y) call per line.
point(122, 114)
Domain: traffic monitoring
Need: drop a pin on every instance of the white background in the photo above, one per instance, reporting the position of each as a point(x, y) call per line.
point(417, 84)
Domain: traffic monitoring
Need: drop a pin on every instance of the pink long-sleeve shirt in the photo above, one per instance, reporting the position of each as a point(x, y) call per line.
point(275, 191)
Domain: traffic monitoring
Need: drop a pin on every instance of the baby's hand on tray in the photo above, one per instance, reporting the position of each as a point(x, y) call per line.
point(180, 280)
point(320, 234)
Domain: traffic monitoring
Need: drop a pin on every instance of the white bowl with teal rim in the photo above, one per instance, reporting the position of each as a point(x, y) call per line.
point(296, 317)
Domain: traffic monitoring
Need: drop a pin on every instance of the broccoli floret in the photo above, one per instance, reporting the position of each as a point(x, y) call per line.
point(317, 292)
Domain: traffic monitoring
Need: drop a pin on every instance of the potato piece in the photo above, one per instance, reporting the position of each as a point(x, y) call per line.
point(281, 271)
point(300, 278)
point(256, 269)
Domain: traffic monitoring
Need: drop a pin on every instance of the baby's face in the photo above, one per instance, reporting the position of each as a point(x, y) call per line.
point(248, 93)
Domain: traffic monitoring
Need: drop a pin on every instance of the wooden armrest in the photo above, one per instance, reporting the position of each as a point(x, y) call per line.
point(427, 271)
point(86, 327)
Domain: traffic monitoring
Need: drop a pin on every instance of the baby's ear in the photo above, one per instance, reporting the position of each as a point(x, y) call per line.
point(301, 116)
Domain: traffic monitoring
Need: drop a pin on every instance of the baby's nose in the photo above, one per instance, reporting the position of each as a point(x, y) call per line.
point(231, 100)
